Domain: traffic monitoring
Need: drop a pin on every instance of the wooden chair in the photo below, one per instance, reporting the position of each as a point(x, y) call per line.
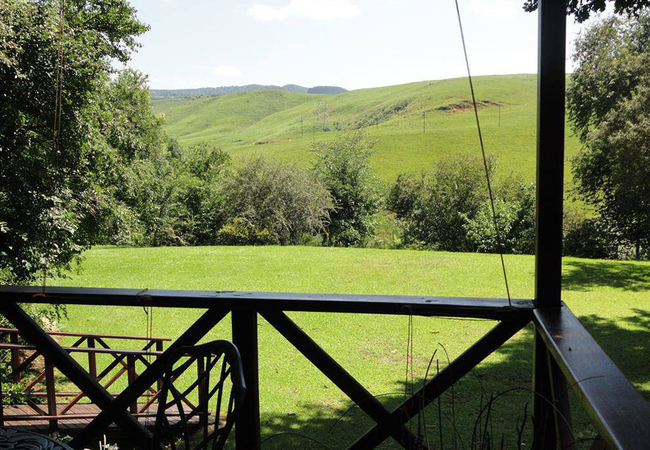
point(220, 387)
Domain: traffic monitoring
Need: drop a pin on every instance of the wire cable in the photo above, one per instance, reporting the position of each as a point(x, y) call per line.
point(485, 164)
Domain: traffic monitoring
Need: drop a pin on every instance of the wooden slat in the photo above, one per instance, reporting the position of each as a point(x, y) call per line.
point(92, 335)
point(488, 308)
point(620, 413)
point(108, 351)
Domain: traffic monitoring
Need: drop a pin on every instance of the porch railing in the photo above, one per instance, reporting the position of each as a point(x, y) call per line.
point(620, 414)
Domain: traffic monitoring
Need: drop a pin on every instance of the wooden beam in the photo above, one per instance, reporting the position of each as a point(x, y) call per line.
point(70, 367)
point(244, 336)
point(340, 377)
point(487, 308)
point(620, 414)
point(457, 369)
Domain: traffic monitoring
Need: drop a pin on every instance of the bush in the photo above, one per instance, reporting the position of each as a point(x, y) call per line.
point(434, 207)
point(514, 203)
point(587, 237)
point(274, 204)
point(343, 166)
point(449, 209)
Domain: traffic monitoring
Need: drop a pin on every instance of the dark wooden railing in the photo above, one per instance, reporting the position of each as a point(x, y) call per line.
point(618, 411)
point(40, 383)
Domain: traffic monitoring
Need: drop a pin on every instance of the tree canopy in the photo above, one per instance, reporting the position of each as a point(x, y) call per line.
point(53, 65)
point(609, 104)
point(584, 9)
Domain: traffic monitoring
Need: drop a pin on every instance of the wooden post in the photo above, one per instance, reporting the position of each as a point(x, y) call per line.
point(92, 359)
point(203, 395)
point(159, 384)
point(550, 197)
point(50, 390)
point(15, 356)
point(244, 336)
point(131, 376)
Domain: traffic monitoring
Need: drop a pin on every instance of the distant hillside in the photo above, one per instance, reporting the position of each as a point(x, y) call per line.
point(282, 125)
point(161, 94)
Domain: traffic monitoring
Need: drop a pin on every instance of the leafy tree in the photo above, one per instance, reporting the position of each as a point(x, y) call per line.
point(204, 172)
point(610, 104)
point(47, 186)
point(611, 60)
point(583, 9)
point(434, 207)
point(343, 166)
point(274, 204)
point(613, 172)
point(514, 203)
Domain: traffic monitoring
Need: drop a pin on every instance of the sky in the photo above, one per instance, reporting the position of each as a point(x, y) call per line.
point(349, 43)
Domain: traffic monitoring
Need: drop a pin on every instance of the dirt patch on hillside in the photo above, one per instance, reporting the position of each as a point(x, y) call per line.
point(466, 104)
point(273, 141)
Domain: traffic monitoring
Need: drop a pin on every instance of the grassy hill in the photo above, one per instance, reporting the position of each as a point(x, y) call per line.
point(269, 122)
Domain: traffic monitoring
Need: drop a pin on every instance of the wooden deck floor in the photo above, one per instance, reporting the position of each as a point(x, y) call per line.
point(71, 424)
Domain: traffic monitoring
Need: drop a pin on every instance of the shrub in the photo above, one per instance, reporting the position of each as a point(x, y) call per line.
point(587, 237)
point(514, 203)
point(274, 204)
point(433, 208)
point(343, 166)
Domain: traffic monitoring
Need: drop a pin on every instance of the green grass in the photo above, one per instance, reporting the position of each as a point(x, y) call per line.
point(610, 297)
point(269, 123)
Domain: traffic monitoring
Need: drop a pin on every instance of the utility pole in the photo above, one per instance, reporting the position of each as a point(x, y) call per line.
point(424, 121)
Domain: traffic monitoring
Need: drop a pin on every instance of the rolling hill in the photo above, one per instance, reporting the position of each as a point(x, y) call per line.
point(160, 94)
point(281, 124)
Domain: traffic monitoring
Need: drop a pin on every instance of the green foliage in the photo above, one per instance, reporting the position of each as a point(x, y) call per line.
point(274, 204)
point(434, 207)
point(449, 209)
point(514, 203)
point(610, 103)
point(343, 166)
point(611, 60)
point(583, 9)
point(586, 237)
point(271, 124)
point(46, 184)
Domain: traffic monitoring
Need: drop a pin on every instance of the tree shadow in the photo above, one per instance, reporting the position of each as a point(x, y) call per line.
point(452, 422)
point(586, 275)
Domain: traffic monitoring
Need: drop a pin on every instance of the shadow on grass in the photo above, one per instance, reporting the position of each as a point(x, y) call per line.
point(586, 275)
point(454, 419)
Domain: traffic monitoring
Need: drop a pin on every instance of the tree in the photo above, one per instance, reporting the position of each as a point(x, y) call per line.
point(274, 204)
point(343, 166)
point(609, 102)
point(434, 207)
point(613, 171)
point(583, 9)
point(514, 203)
point(46, 159)
point(611, 60)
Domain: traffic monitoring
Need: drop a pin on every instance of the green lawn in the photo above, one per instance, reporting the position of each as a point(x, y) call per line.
point(612, 299)
point(269, 123)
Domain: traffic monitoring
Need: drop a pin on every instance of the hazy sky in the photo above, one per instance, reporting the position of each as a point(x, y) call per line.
point(349, 43)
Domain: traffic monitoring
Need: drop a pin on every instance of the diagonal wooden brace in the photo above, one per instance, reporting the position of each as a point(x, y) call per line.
point(339, 376)
point(70, 367)
point(117, 407)
point(457, 369)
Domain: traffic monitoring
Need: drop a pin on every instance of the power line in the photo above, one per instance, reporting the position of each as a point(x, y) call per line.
point(485, 164)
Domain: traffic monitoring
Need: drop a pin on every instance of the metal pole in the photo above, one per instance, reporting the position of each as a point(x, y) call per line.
point(244, 336)
point(550, 196)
